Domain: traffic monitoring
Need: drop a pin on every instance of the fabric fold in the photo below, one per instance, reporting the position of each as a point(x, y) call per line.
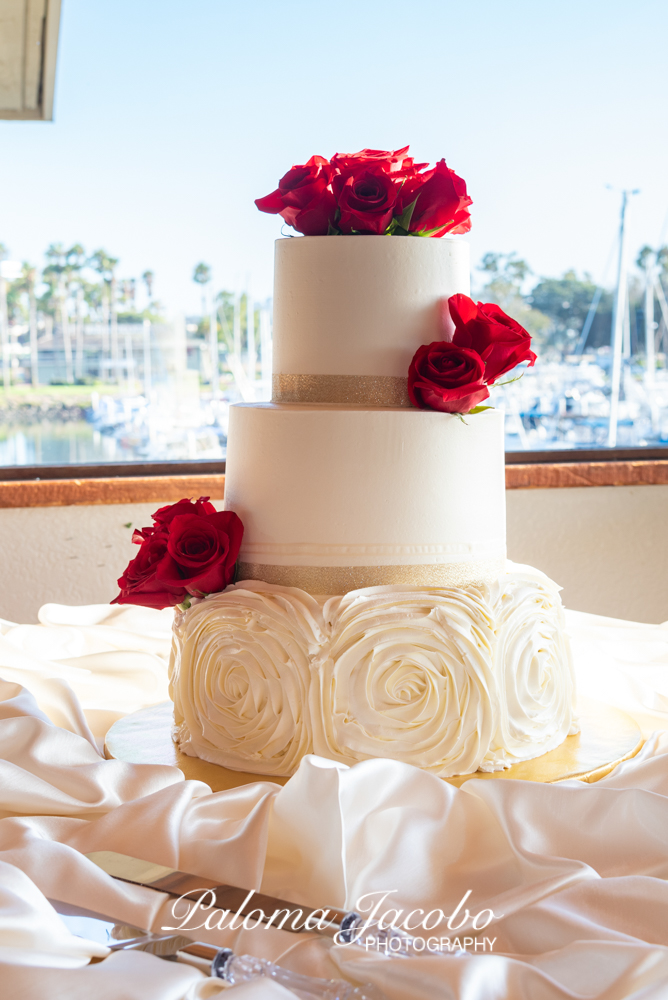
point(576, 874)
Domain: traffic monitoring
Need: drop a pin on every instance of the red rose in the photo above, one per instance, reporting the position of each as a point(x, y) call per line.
point(442, 202)
point(500, 341)
point(303, 198)
point(392, 161)
point(443, 376)
point(366, 199)
point(201, 552)
point(138, 583)
point(191, 549)
point(165, 515)
point(370, 192)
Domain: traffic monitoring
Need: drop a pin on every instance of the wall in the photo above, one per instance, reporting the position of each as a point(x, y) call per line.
point(606, 546)
point(66, 555)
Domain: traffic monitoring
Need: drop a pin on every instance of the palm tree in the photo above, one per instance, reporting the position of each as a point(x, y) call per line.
point(75, 261)
point(94, 296)
point(79, 301)
point(202, 277)
point(59, 269)
point(128, 291)
point(4, 323)
point(26, 283)
point(47, 303)
point(148, 278)
point(31, 281)
point(105, 265)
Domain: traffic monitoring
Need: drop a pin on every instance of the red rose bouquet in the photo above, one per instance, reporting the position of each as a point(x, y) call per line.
point(190, 551)
point(453, 375)
point(381, 192)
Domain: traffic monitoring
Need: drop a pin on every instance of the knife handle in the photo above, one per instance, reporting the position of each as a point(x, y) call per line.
point(204, 957)
point(234, 969)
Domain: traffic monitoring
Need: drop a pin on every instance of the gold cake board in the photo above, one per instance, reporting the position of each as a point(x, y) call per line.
point(607, 737)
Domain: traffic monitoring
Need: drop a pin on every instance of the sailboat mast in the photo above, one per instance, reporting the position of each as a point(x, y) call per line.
point(618, 314)
point(650, 353)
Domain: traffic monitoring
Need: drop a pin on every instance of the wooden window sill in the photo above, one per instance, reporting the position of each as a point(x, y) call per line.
point(119, 489)
point(561, 475)
point(167, 489)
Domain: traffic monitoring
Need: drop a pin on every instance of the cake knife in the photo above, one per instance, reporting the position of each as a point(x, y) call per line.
point(221, 963)
point(287, 916)
point(345, 926)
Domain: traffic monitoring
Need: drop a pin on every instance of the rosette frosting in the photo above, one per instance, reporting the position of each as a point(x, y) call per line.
point(533, 668)
point(450, 680)
point(240, 677)
point(407, 675)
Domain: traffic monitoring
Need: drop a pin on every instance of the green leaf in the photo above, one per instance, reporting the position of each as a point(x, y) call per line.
point(510, 380)
point(429, 232)
point(404, 220)
point(332, 230)
point(128, 524)
point(479, 409)
point(461, 417)
point(395, 229)
point(184, 605)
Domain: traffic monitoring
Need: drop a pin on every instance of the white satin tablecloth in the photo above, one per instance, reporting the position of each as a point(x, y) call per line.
point(578, 871)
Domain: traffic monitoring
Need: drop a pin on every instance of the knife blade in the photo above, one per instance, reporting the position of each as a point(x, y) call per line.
point(221, 963)
point(122, 937)
point(270, 910)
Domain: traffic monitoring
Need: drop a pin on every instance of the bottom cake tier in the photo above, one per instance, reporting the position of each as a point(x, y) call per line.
point(451, 680)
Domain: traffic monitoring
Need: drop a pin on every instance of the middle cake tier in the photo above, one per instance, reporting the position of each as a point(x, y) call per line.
point(337, 498)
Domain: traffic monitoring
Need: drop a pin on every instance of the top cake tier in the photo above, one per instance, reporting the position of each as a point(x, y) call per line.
point(351, 311)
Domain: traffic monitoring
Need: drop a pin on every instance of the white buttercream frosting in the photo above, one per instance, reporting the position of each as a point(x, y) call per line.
point(407, 675)
point(319, 487)
point(361, 307)
point(240, 676)
point(450, 680)
point(533, 668)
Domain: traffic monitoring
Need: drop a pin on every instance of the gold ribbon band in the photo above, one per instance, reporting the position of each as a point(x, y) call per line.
point(333, 580)
point(360, 390)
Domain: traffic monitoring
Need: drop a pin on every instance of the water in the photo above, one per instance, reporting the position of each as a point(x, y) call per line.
point(566, 405)
point(80, 442)
point(559, 405)
point(73, 443)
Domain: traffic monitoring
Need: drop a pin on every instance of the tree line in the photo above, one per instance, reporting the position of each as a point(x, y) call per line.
point(73, 281)
point(555, 310)
point(74, 286)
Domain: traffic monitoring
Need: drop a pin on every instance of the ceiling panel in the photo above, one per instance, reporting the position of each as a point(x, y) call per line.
point(28, 53)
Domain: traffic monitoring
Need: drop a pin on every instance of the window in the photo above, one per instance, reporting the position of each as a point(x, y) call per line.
point(94, 373)
point(106, 363)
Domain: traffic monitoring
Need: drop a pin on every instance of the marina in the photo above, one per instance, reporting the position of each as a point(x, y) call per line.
point(557, 405)
point(94, 372)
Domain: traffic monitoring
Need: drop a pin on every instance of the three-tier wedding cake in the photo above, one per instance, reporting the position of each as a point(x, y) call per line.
point(375, 613)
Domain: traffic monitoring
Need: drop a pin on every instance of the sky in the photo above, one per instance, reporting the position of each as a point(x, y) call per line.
point(172, 116)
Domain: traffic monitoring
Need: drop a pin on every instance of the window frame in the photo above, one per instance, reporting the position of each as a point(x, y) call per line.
point(166, 482)
point(131, 470)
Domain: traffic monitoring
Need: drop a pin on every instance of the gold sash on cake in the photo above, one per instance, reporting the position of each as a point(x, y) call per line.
point(354, 390)
point(342, 579)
